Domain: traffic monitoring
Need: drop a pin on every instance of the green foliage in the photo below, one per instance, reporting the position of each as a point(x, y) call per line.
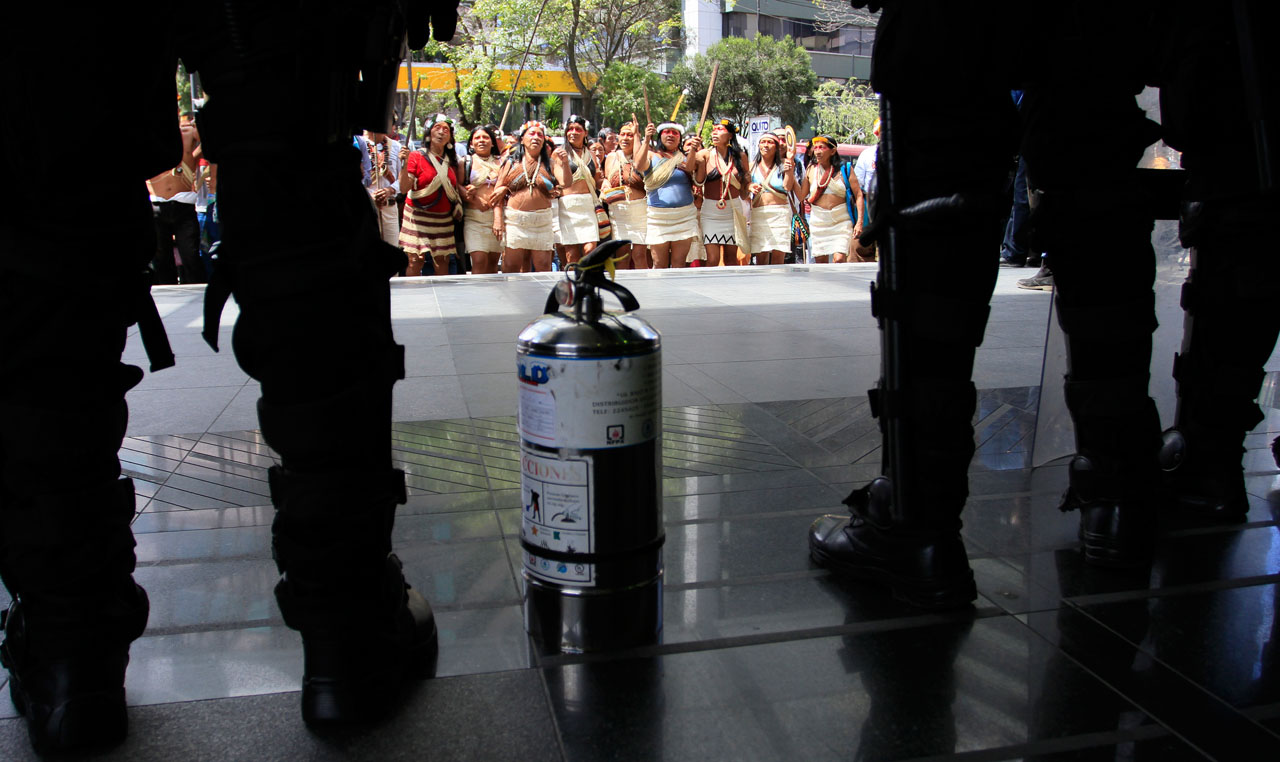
point(846, 111)
point(757, 76)
point(552, 110)
point(183, 80)
point(622, 94)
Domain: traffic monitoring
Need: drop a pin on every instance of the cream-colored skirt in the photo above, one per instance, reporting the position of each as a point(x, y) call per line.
point(770, 228)
point(678, 223)
point(578, 223)
point(477, 230)
point(529, 230)
point(829, 231)
point(717, 223)
point(630, 220)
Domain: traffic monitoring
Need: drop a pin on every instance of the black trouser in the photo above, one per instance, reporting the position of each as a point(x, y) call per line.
point(1094, 219)
point(177, 224)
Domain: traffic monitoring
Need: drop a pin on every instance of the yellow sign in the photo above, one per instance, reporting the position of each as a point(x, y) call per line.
point(440, 79)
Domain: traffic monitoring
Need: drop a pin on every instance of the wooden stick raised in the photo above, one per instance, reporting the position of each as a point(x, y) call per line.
point(706, 104)
point(648, 118)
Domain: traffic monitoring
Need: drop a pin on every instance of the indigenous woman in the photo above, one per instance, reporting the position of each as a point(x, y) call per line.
point(598, 151)
point(772, 180)
point(480, 173)
point(826, 188)
point(527, 182)
point(723, 178)
point(579, 175)
point(668, 181)
point(628, 204)
point(430, 177)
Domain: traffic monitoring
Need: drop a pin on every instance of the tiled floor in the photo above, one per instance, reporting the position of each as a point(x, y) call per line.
point(763, 655)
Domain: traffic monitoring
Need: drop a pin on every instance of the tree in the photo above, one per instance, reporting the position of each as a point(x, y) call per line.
point(757, 76)
point(837, 14)
point(622, 94)
point(489, 37)
point(846, 111)
point(601, 33)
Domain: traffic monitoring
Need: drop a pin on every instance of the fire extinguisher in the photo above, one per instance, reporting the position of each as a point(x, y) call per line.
point(590, 423)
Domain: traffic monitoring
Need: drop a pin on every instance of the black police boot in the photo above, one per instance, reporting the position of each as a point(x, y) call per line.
point(1117, 515)
point(904, 527)
point(71, 690)
point(929, 571)
point(1114, 478)
point(357, 658)
point(365, 631)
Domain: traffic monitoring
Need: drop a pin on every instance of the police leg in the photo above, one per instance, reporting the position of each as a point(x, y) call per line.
point(905, 526)
point(1104, 268)
point(66, 548)
point(315, 330)
point(1230, 329)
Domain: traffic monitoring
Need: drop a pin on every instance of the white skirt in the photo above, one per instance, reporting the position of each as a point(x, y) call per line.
point(577, 216)
point(679, 223)
point(630, 220)
point(770, 228)
point(829, 231)
point(477, 230)
point(717, 223)
point(529, 230)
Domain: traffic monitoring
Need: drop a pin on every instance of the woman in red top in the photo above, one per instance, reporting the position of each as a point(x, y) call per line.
point(430, 177)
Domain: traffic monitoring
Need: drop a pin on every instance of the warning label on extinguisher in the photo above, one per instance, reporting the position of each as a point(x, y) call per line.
point(557, 515)
point(590, 404)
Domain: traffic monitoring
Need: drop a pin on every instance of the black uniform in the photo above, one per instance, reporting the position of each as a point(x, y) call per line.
point(1094, 216)
point(306, 294)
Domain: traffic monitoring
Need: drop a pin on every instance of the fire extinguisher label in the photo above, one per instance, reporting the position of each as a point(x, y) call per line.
point(557, 514)
point(590, 404)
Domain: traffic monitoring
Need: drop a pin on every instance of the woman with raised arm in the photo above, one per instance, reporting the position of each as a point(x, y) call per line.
point(723, 177)
point(527, 184)
point(772, 180)
point(480, 173)
point(830, 193)
point(579, 175)
point(668, 180)
point(628, 204)
point(430, 176)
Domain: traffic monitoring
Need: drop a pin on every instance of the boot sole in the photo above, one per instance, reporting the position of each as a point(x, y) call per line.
point(929, 594)
point(328, 702)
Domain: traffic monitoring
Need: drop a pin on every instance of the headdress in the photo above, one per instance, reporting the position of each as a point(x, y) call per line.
point(822, 139)
point(670, 126)
point(578, 119)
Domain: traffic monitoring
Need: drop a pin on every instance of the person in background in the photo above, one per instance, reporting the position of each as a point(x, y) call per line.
point(430, 176)
point(722, 173)
point(610, 139)
point(522, 201)
point(668, 180)
point(383, 182)
point(579, 175)
point(173, 204)
point(629, 207)
point(772, 182)
point(865, 170)
point(831, 194)
point(480, 173)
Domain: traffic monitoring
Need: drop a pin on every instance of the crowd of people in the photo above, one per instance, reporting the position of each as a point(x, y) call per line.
point(521, 203)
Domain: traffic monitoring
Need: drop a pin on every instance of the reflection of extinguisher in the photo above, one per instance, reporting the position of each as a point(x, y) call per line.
point(590, 385)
